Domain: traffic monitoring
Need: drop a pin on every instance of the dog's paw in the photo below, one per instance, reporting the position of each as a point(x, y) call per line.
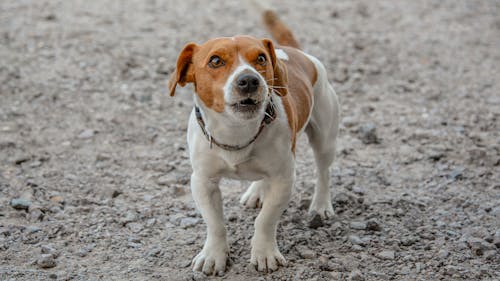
point(211, 260)
point(252, 198)
point(324, 209)
point(267, 259)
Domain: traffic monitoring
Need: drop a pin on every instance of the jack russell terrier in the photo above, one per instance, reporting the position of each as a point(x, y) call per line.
point(252, 100)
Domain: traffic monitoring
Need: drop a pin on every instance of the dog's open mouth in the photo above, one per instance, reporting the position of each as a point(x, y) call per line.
point(247, 105)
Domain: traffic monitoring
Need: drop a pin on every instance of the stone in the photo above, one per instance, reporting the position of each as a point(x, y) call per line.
point(356, 275)
point(358, 225)
point(373, 225)
point(386, 255)
point(189, 222)
point(86, 134)
point(408, 240)
point(20, 204)
point(368, 133)
point(359, 190)
point(342, 199)
point(452, 270)
point(155, 252)
point(306, 253)
point(478, 246)
point(135, 227)
point(46, 261)
point(443, 254)
point(57, 199)
point(490, 254)
point(355, 240)
point(315, 221)
point(129, 217)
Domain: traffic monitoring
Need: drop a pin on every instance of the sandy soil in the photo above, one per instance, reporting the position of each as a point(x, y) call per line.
point(95, 151)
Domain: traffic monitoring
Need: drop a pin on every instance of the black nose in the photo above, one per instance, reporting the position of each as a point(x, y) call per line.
point(247, 83)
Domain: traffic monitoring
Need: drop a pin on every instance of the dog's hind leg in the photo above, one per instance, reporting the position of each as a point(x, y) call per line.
point(322, 131)
point(254, 195)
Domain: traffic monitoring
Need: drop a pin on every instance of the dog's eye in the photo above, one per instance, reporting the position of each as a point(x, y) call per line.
point(215, 62)
point(261, 59)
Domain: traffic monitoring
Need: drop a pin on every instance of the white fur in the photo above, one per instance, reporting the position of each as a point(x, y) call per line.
point(281, 54)
point(269, 162)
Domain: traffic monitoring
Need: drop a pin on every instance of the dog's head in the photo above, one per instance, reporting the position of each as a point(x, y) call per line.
point(232, 75)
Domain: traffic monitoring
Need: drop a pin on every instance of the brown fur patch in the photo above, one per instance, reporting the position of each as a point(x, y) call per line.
point(301, 78)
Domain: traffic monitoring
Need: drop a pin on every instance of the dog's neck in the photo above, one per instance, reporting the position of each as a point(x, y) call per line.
point(229, 131)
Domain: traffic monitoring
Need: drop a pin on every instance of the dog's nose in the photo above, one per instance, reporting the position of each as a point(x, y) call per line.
point(247, 83)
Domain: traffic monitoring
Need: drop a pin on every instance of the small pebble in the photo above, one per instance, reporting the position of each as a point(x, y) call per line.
point(46, 261)
point(355, 240)
point(189, 222)
point(386, 255)
point(315, 221)
point(358, 225)
point(86, 134)
point(306, 253)
point(20, 204)
point(368, 133)
point(443, 254)
point(356, 275)
point(373, 225)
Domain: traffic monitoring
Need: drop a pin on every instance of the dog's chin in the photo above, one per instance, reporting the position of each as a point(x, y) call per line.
point(247, 108)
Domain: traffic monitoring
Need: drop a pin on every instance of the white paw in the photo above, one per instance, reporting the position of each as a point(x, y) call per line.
point(267, 259)
point(265, 256)
point(211, 260)
point(323, 208)
point(253, 197)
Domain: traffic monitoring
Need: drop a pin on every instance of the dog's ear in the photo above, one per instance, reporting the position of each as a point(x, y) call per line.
point(184, 72)
point(280, 79)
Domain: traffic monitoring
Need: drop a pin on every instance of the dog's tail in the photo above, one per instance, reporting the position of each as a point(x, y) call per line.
point(279, 31)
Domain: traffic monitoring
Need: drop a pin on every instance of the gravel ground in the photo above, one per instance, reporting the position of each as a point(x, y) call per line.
point(94, 172)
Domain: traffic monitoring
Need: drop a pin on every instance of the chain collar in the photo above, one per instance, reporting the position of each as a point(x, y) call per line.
point(269, 117)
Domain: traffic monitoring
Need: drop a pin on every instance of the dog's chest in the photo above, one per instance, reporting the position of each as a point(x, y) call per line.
point(243, 167)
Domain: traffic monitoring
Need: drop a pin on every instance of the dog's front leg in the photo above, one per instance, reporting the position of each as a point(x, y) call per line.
point(265, 253)
point(207, 195)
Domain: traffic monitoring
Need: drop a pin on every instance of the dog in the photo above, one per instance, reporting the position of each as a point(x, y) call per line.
point(252, 100)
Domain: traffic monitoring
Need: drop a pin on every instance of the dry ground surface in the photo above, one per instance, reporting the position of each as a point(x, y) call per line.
point(95, 150)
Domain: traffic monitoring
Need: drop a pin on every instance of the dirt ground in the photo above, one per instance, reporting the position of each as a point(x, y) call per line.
point(93, 151)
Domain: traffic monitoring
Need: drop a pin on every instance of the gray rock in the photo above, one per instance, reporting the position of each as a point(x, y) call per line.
point(478, 246)
point(453, 270)
point(373, 225)
point(155, 252)
point(355, 240)
point(315, 221)
point(496, 239)
point(189, 222)
point(409, 240)
point(443, 254)
point(20, 204)
point(368, 133)
point(86, 134)
point(456, 173)
point(173, 177)
point(356, 275)
point(306, 253)
point(358, 190)
point(131, 216)
point(358, 225)
point(349, 121)
point(342, 199)
point(46, 261)
point(135, 227)
point(386, 255)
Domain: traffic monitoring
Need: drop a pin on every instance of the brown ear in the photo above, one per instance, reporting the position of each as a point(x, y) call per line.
point(280, 81)
point(184, 73)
